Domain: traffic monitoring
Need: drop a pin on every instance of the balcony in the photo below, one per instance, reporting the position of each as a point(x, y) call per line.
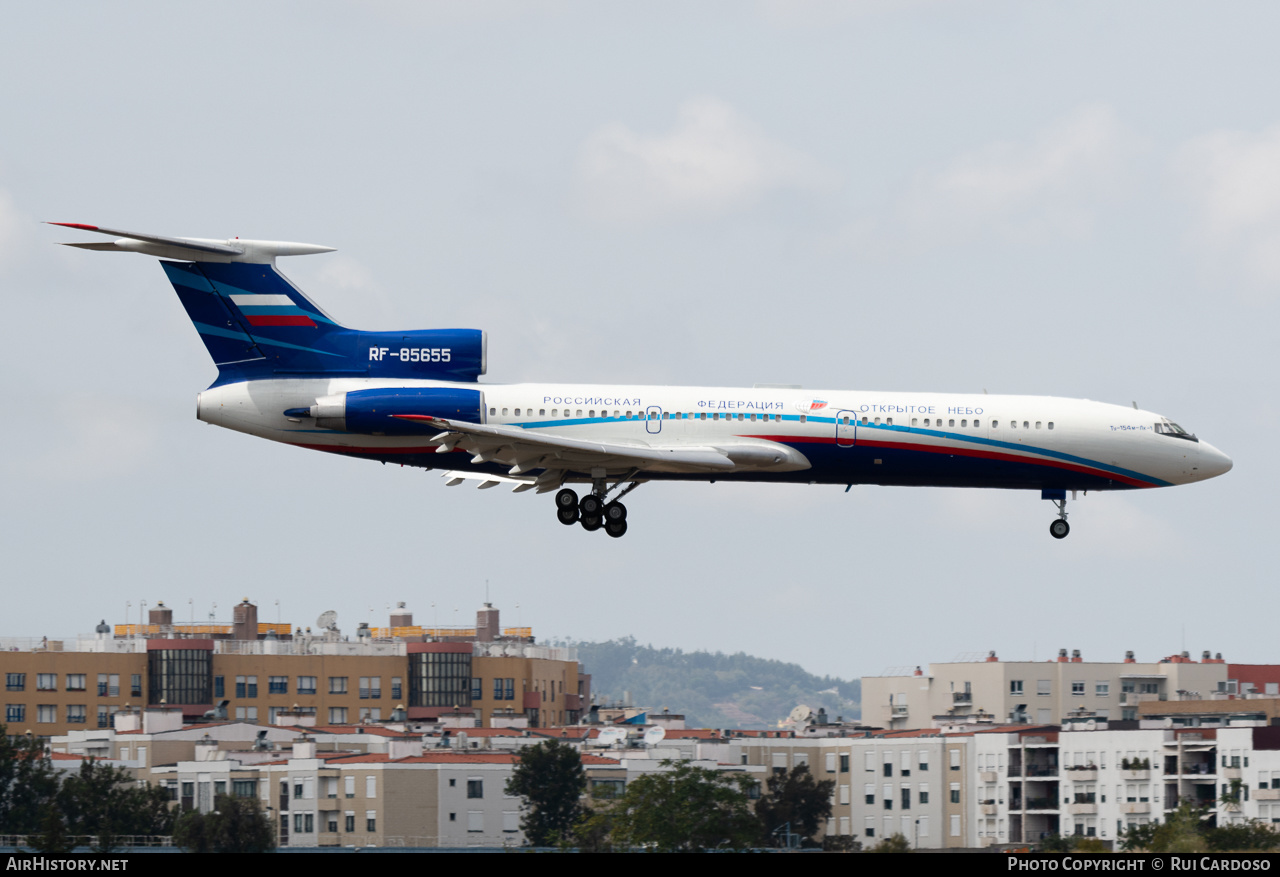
point(1231, 773)
point(1082, 809)
point(1142, 774)
point(1040, 770)
point(1267, 794)
point(988, 776)
point(987, 809)
point(1131, 807)
point(962, 698)
point(1081, 774)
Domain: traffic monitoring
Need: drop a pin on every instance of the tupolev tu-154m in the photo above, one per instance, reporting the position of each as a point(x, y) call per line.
point(290, 373)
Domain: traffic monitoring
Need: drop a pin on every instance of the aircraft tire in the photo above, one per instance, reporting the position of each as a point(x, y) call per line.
point(616, 529)
point(1059, 529)
point(566, 499)
point(590, 506)
point(568, 516)
point(615, 511)
point(592, 522)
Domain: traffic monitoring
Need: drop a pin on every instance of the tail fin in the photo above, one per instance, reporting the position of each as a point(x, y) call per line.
point(256, 324)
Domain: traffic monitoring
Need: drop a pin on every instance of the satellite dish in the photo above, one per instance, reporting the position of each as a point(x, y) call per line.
point(327, 620)
point(800, 714)
point(654, 736)
point(609, 736)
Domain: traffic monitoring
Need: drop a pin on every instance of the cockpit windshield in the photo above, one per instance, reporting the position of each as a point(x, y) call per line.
point(1169, 428)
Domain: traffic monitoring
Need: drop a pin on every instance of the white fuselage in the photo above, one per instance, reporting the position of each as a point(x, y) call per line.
point(845, 436)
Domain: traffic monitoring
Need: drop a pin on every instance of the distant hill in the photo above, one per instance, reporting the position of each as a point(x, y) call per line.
point(712, 690)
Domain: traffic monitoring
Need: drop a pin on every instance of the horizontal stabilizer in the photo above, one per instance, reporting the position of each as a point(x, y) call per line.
point(193, 249)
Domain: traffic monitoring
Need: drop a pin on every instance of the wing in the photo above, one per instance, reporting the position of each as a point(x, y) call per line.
point(525, 450)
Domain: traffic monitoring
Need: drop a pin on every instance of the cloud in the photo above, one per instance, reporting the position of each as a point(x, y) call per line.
point(1233, 180)
point(15, 232)
point(1051, 182)
point(713, 162)
point(86, 441)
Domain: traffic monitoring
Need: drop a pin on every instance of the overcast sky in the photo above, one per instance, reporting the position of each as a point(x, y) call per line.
point(1072, 199)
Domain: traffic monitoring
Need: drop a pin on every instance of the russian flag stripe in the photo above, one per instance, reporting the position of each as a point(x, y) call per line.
point(260, 301)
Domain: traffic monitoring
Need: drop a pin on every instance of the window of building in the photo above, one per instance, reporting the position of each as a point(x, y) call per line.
point(47, 713)
point(922, 762)
point(277, 685)
point(371, 787)
point(15, 681)
point(924, 793)
point(337, 715)
point(1015, 687)
point(1102, 689)
point(108, 685)
point(475, 788)
point(844, 763)
point(104, 716)
point(246, 686)
point(338, 685)
point(75, 681)
point(244, 788)
point(350, 820)
point(247, 713)
point(955, 793)
point(1077, 688)
point(135, 685)
point(1044, 687)
point(869, 793)
point(219, 686)
point(371, 687)
point(955, 758)
point(349, 786)
point(370, 821)
point(306, 685)
point(906, 797)
point(397, 689)
point(15, 712)
point(46, 682)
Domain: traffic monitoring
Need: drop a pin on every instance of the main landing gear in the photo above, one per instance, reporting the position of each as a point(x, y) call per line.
point(593, 511)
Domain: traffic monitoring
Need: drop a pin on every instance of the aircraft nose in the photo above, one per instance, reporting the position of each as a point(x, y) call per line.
point(1212, 461)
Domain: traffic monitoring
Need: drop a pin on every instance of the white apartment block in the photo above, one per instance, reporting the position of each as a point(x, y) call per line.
point(1039, 692)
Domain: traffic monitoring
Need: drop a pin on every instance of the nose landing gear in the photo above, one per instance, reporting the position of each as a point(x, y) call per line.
point(1060, 528)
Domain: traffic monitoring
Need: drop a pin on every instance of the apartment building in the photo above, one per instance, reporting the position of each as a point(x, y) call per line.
point(262, 671)
point(1036, 692)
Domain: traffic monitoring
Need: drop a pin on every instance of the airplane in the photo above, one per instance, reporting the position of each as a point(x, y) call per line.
point(290, 373)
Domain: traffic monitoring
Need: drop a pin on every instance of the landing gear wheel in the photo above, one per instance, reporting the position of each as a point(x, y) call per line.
point(566, 499)
point(594, 522)
point(1059, 529)
point(590, 506)
point(615, 511)
point(568, 516)
point(616, 528)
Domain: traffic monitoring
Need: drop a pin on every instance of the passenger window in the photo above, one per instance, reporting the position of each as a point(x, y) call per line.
point(493, 411)
point(753, 418)
point(915, 420)
point(542, 412)
point(994, 424)
point(846, 420)
point(889, 421)
point(1051, 424)
point(926, 421)
point(704, 416)
point(802, 418)
point(715, 415)
point(666, 416)
point(504, 412)
point(1013, 424)
point(977, 424)
point(1037, 424)
point(877, 420)
point(1026, 425)
point(964, 423)
point(864, 418)
point(517, 412)
point(951, 422)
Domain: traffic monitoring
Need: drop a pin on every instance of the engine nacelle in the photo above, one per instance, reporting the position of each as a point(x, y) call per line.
point(376, 412)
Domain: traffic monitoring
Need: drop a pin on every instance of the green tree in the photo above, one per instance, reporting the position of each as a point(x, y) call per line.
point(551, 780)
point(236, 825)
point(896, 844)
point(1242, 836)
point(681, 808)
point(105, 802)
point(1181, 832)
point(797, 798)
point(28, 783)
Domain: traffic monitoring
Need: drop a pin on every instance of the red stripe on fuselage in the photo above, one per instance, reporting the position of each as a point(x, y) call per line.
point(963, 452)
